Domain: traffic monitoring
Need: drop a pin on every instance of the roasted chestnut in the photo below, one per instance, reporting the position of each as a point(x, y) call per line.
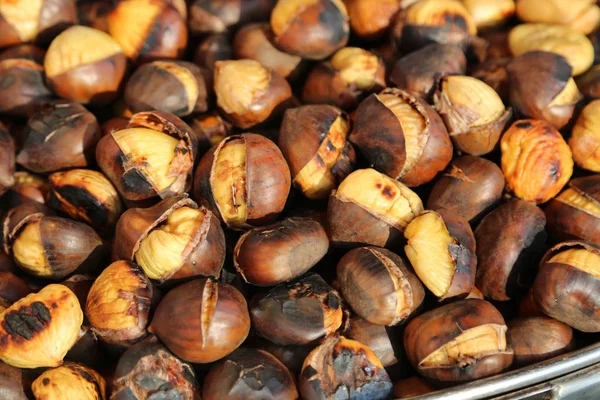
point(490, 13)
point(220, 16)
point(70, 381)
point(585, 138)
point(7, 160)
point(371, 20)
point(211, 49)
point(582, 15)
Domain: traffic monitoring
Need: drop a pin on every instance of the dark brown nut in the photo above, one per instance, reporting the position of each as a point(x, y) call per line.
point(7, 160)
point(245, 181)
point(385, 342)
point(312, 29)
point(538, 338)
point(50, 247)
point(493, 72)
point(85, 65)
point(61, 135)
point(490, 13)
point(148, 29)
point(510, 241)
point(370, 20)
point(12, 288)
point(420, 70)
point(473, 112)
point(589, 82)
point(87, 350)
point(249, 374)
point(24, 21)
point(574, 214)
point(14, 384)
point(80, 285)
point(378, 286)
point(343, 367)
point(567, 286)
point(94, 13)
point(148, 370)
point(279, 252)
point(402, 136)
point(541, 87)
point(210, 129)
point(86, 195)
point(458, 342)
point(70, 381)
point(370, 208)
point(469, 189)
point(210, 319)
point(312, 139)
point(38, 330)
point(536, 161)
point(211, 49)
point(118, 304)
point(348, 77)
point(299, 312)
point(220, 16)
point(174, 239)
point(176, 87)
point(410, 387)
point(23, 88)
point(290, 356)
point(152, 158)
point(27, 188)
point(441, 249)
point(585, 138)
point(248, 93)
point(582, 15)
point(433, 21)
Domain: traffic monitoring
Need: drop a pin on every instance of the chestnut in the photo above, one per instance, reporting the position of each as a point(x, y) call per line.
point(370, 208)
point(249, 374)
point(174, 239)
point(510, 241)
point(152, 158)
point(344, 367)
point(298, 312)
point(458, 342)
point(473, 112)
point(210, 129)
point(23, 21)
point(245, 181)
point(61, 135)
point(211, 49)
point(585, 138)
point(385, 342)
point(312, 139)
point(541, 87)
point(378, 286)
point(370, 20)
point(148, 30)
point(202, 321)
point(12, 288)
point(574, 214)
point(85, 65)
point(490, 13)
point(14, 384)
point(410, 387)
point(402, 136)
point(313, 30)
point(70, 381)
point(39, 329)
point(148, 369)
point(221, 16)
point(582, 15)
point(420, 70)
point(469, 189)
point(27, 188)
point(176, 87)
point(7, 160)
point(566, 287)
point(50, 247)
point(85, 195)
point(249, 93)
point(441, 248)
point(433, 21)
point(536, 339)
point(528, 143)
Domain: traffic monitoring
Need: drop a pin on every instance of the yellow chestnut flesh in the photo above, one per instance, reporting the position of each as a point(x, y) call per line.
point(229, 182)
point(239, 83)
point(356, 67)
point(581, 259)
point(29, 251)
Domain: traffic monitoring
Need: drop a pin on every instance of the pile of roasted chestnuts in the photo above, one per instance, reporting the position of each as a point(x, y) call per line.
point(294, 199)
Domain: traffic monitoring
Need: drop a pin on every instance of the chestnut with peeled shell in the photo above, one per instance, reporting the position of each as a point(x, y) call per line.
point(371, 20)
point(585, 138)
point(582, 15)
point(69, 381)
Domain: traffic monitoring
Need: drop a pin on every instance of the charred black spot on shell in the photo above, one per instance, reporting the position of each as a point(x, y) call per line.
point(27, 321)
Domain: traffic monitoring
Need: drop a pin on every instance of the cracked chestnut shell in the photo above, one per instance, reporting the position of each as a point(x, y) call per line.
point(249, 374)
point(575, 213)
point(378, 286)
point(567, 286)
point(7, 160)
point(585, 138)
point(202, 321)
point(401, 136)
point(153, 158)
point(118, 303)
point(510, 241)
point(23, 87)
point(298, 312)
point(147, 370)
point(171, 240)
point(70, 381)
point(61, 135)
point(582, 15)
point(279, 252)
point(14, 384)
point(222, 16)
point(344, 367)
point(470, 188)
point(312, 139)
point(312, 29)
point(458, 342)
point(370, 20)
point(244, 181)
point(529, 143)
point(38, 330)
